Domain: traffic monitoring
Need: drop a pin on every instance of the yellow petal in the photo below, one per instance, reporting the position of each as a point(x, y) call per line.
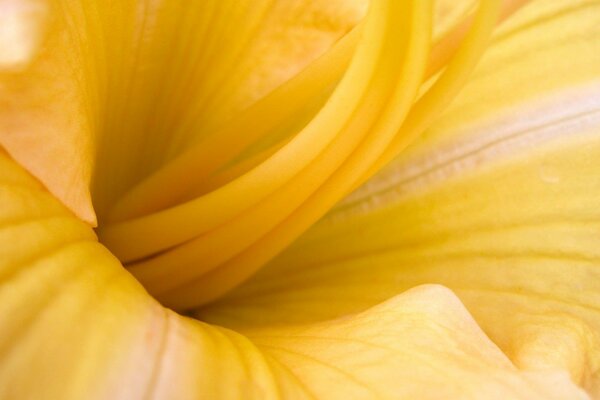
point(95, 95)
point(74, 324)
point(420, 345)
point(43, 119)
point(499, 202)
point(135, 114)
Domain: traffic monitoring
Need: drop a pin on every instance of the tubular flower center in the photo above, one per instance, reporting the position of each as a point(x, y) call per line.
point(210, 217)
point(193, 215)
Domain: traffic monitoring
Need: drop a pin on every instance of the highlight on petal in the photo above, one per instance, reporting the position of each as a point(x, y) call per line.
point(76, 325)
point(22, 25)
point(497, 201)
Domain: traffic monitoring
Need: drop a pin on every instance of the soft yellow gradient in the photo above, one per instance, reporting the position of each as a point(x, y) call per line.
point(466, 268)
point(112, 89)
point(498, 201)
point(76, 325)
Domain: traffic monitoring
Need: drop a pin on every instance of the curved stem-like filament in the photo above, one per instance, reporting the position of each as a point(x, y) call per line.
point(229, 274)
point(210, 218)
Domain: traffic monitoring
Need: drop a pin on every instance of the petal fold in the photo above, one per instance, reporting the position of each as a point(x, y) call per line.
point(422, 344)
point(76, 325)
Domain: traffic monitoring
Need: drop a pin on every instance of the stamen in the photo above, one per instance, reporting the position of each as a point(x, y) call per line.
point(413, 42)
point(194, 166)
point(188, 172)
point(244, 209)
point(170, 227)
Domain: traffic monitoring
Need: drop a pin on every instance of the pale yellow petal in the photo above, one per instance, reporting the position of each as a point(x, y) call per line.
point(44, 120)
point(420, 345)
point(76, 325)
point(499, 202)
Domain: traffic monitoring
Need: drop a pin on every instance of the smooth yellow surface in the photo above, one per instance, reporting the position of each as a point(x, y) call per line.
point(76, 325)
point(106, 107)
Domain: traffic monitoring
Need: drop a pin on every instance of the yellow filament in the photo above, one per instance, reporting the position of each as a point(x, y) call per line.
point(195, 165)
point(188, 252)
point(445, 48)
point(446, 87)
point(167, 228)
point(366, 126)
point(232, 272)
point(230, 172)
point(185, 176)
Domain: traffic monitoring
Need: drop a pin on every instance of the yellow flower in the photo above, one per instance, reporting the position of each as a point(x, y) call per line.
point(199, 139)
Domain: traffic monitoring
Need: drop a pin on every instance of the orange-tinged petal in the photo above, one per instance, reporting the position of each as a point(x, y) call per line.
point(43, 118)
point(95, 95)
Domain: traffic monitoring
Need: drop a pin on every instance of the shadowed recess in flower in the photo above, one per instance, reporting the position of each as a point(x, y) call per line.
point(194, 197)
